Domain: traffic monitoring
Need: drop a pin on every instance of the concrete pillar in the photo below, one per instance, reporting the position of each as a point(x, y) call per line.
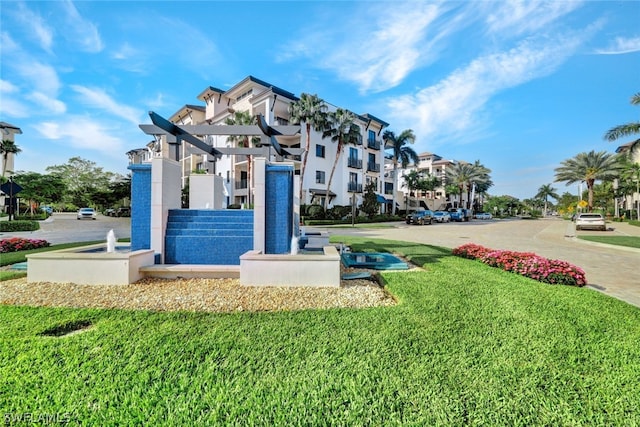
point(165, 194)
point(206, 191)
point(259, 166)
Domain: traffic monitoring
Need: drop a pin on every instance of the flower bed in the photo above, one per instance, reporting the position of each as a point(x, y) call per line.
point(527, 264)
point(15, 244)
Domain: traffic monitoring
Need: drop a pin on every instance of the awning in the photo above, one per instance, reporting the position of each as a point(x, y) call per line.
point(319, 192)
point(382, 199)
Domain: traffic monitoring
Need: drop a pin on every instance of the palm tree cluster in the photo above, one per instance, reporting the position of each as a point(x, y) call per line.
point(465, 175)
point(544, 193)
point(627, 129)
point(7, 147)
point(401, 154)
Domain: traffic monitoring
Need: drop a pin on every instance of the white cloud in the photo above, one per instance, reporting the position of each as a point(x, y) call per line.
point(37, 26)
point(8, 44)
point(12, 107)
point(7, 87)
point(98, 98)
point(80, 30)
point(454, 106)
point(84, 133)
point(523, 16)
point(621, 45)
point(385, 42)
point(48, 104)
point(125, 52)
point(42, 77)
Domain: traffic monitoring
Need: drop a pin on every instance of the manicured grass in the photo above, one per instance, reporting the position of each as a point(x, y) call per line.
point(8, 275)
point(630, 241)
point(466, 345)
point(364, 225)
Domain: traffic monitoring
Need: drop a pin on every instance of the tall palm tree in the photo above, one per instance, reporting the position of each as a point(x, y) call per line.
point(463, 175)
point(589, 167)
point(402, 154)
point(7, 147)
point(311, 110)
point(544, 193)
point(627, 129)
point(340, 127)
point(243, 118)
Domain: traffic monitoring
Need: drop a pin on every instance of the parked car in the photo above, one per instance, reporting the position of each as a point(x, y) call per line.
point(86, 213)
point(420, 217)
point(47, 209)
point(459, 214)
point(441, 216)
point(110, 212)
point(483, 215)
point(126, 211)
point(593, 221)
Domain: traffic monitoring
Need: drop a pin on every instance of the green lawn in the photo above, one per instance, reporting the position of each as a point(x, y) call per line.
point(466, 345)
point(630, 241)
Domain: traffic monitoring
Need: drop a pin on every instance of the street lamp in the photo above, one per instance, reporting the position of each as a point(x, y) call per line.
point(615, 197)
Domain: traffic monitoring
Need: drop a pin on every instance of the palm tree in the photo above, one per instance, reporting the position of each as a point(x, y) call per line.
point(402, 154)
point(463, 175)
point(311, 110)
point(589, 167)
point(7, 147)
point(243, 118)
point(341, 128)
point(626, 129)
point(544, 193)
point(413, 181)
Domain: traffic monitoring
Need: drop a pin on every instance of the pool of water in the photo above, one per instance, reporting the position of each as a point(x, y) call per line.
point(373, 260)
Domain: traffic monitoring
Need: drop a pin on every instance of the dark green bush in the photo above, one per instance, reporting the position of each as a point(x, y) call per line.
point(20, 225)
point(35, 217)
point(233, 206)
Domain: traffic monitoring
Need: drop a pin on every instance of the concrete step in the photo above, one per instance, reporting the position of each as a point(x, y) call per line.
point(189, 271)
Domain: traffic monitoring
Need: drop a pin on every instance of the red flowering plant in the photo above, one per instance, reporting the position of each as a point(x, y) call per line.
point(526, 264)
point(15, 244)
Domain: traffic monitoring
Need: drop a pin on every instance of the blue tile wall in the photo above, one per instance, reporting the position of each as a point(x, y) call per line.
point(278, 209)
point(140, 206)
point(215, 237)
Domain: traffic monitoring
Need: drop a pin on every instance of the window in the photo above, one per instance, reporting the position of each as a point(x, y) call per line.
point(319, 177)
point(372, 136)
point(353, 153)
point(319, 150)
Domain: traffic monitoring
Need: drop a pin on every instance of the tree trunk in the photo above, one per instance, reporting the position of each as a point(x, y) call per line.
point(304, 162)
point(333, 169)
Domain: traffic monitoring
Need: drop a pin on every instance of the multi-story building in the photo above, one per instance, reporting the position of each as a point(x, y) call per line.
point(630, 201)
point(357, 166)
point(429, 164)
point(8, 134)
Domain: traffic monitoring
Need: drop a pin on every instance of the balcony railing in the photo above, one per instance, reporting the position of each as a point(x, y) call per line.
point(359, 140)
point(354, 187)
point(241, 184)
point(373, 143)
point(355, 163)
point(373, 167)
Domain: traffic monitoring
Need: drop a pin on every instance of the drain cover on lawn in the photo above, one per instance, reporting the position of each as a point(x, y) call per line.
point(75, 326)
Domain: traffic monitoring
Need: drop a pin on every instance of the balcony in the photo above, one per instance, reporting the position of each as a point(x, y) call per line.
point(354, 187)
point(241, 184)
point(355, 163)
point(373, 143)
point(373, 167)
point(359, 140)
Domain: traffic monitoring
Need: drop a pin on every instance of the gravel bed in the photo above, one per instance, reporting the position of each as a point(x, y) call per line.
point(209, 295)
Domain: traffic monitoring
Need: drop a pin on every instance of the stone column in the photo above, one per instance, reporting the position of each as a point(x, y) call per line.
point(165, 195)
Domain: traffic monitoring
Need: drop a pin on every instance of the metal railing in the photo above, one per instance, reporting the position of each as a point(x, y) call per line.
point(354, 163)
point(354, 187)
point(373, 167)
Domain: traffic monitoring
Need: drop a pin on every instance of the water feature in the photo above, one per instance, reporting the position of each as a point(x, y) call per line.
point(111, 241)
point(373, 260)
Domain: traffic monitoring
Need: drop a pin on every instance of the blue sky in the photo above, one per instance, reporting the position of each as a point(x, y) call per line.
point(519, 86)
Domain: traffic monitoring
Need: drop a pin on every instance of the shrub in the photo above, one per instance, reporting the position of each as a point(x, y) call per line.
point(15, 244)
point(555, 272)
point(19, 226)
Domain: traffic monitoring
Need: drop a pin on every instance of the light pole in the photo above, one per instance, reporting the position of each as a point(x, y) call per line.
point(615, 197)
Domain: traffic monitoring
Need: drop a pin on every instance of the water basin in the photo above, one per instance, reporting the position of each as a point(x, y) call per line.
point(373, 260)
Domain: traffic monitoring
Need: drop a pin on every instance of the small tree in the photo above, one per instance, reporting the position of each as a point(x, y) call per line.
point(370, 205)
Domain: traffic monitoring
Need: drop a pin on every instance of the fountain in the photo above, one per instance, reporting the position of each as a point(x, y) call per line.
point(111, 242)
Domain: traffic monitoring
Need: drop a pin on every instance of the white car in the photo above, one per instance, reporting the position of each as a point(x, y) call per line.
point(441, 216)
point(593, 221)
point(483, 215)
point(86, 213)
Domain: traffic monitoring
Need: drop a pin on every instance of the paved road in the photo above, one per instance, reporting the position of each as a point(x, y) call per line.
point(610, 269)
point(65, 228)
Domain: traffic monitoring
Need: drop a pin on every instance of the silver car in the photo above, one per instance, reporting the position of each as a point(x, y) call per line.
point(441, 216)
point(593, 221)
point(86, 213)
